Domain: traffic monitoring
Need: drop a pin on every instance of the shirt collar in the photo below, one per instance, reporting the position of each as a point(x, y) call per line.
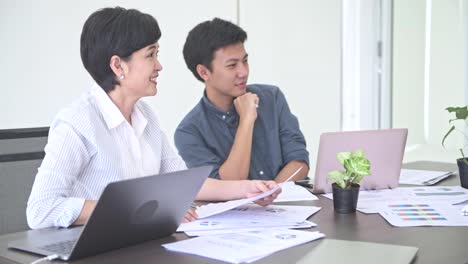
point(139, 121)
point(216, 110)
point(230, 117)
point(112, 115)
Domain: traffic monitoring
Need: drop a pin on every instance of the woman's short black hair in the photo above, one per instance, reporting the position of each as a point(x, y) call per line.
point(208, 37)
point(114, 31)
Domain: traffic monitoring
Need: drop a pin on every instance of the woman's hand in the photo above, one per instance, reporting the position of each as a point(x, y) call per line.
point(190, 216)
point(255, 187)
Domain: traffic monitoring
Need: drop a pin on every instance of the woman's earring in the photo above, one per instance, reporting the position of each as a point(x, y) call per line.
point(121, 77)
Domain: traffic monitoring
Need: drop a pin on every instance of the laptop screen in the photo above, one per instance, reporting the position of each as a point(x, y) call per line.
point(384, 148)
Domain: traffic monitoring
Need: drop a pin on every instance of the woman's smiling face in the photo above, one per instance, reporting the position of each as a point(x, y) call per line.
point(141, 71)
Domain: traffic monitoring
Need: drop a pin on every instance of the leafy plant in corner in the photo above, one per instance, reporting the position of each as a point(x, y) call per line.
point(355, 165)
point(461, 113)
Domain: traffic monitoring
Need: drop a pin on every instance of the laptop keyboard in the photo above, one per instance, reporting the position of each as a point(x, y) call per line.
point(63, 247)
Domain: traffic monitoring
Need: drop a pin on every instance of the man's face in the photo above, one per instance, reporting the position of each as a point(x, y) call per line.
point(230, 71)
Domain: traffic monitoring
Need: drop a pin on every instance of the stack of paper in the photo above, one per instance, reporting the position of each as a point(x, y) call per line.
point(252, 216)
point(272, 213)
point(422, 177)
point(243, 247)
point(216, 208)
point(237, 229)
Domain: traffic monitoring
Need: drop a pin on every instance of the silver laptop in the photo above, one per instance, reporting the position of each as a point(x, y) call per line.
point(128, 212)
point(384, 148)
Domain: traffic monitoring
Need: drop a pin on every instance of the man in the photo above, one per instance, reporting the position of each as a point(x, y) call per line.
point(245, 131)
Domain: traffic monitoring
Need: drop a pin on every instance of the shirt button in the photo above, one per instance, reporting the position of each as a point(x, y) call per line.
point(261, 172)
point(224, 117)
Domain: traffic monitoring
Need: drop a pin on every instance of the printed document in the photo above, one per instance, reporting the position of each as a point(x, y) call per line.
point(271, 213)
point(404, 213)
point(422, 177)
point(369, 201)
point(216, 208)
point(293, 192)
point(243, 247)
point(253, 216)
point(303, 225)
point(207, 225)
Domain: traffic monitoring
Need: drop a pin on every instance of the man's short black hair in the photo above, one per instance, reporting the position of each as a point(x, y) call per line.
point(114, 31)
point(208, 37)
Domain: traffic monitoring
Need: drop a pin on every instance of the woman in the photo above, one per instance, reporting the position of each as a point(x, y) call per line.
point(109, 134)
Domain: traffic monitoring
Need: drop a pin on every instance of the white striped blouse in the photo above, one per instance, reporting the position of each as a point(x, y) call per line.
point(91, 144)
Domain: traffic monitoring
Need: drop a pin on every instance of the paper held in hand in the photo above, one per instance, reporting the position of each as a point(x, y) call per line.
point(216, 208)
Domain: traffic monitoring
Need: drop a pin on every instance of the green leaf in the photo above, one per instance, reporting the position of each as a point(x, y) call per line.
point(358, 153)
point(356, 166)
point(342, 156)
point(338, 177)
point(460, 112)
point(446, 135)
point(358, 178)
point(362, 166)
point(348, 165)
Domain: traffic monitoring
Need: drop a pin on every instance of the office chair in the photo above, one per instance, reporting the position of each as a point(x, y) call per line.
point(21, 153)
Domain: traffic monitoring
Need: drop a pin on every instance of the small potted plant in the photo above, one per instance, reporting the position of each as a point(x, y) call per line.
point(346, 182)
point(461, 116)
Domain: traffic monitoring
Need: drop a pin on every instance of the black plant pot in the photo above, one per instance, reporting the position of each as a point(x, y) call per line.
point(345, 200)
point(463, 171)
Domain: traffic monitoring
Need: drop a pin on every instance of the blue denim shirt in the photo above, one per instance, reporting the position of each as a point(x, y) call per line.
point(206, 134)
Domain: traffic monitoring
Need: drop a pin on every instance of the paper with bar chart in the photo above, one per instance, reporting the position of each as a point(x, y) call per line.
point(405, 213)
point(370, 201)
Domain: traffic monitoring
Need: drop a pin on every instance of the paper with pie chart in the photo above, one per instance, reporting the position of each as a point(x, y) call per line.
point(272, 213)
point(254, 216)
point(243, 247)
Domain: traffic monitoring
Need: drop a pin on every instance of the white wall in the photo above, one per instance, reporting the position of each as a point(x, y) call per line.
point(447, 71)
point(41, 67)
point(421, 96)
point(408, 68)
point(297, 46)
point(293, 44)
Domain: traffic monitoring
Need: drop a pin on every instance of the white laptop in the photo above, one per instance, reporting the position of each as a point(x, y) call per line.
point(384, 148)
point(128, 212)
